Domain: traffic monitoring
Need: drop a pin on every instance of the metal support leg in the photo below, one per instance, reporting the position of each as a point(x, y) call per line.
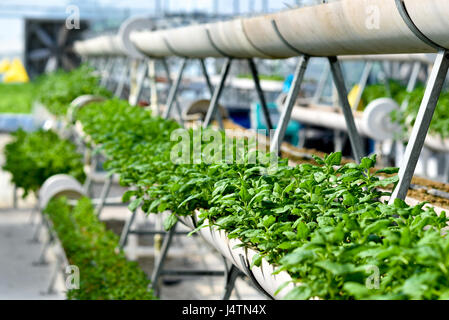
point(54, 275)
point(412, 83)
point(121, 83)
point(231, 277)
point(289, 103)
point(362, 83)
point(321, 84)
point(263, 102)
point(134, 98)
point(42, 261)
point(161, 260)
point(126, 229)
point(174, 91)
point(354, 137)
point(211, 112)
point(218, 115)
point(250, 274)
point(104, 194)
point(422, 123)
point(107, 72)
point(88, 183)
point(14, 197)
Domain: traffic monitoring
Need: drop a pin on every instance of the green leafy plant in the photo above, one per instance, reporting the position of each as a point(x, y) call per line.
point(33, 157)
point(16, 97)
point(324, 224)
point(105, 273)
point(58, 89)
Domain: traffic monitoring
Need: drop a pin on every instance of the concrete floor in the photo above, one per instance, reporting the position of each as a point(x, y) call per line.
point(19, 277)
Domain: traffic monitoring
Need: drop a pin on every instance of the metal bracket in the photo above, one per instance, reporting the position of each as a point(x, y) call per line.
point(104, 194)
point(218, 115)
point(121, 83)
point(135, 93)
point(173, 92)
point(107, 72)
point(263, 102)
point(170, 83)
point(354, 137)
point(211, 112)
point(250, 274)
point(422, 123)
point(289, 103)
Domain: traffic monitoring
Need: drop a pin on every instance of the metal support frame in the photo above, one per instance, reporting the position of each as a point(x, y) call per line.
point(104, 194)
point(289, 103)
point(354, 137)
point(250, 274)
point(122, 79)
point(363, 82)
point(134, 95)
point(212, 110)
point(106, 73)
point(321, 84)
point(174, 89)
point(126, 228)
point(160, 261)
point(412, 83)
point(263, 101)
point(218, 115)
point(422, 123)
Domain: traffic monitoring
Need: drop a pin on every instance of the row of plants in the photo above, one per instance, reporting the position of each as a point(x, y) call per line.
point(33, 157)
point(55, 90)
point(407, 117)
point(105, 273)
point(16, 97)
point(58, 89)
point(324, 223)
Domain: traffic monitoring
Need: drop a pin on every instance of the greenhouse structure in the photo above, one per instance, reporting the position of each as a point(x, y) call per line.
point(292, 153)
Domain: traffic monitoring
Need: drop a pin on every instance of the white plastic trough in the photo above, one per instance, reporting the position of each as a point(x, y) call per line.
point(59, 185)
point(263, 275)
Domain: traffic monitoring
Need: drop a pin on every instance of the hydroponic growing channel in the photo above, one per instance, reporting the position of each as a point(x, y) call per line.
point(296, 223)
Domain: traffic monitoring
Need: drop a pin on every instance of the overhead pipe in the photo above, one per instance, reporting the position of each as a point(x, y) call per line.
point(330, 29)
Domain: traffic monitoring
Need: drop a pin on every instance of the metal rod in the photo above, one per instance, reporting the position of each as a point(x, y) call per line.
point(161, 260)
point(263, 102)
point(204, 273)
point(217, 93)
point(422, 123)
point(231, 276)
point(121, 83)
point(321, 84)
point(289, 103)
point(172, 96)
point(104, 194)
point(362, 84)
point(206, 77)
point(106, 72)
point(218, 115)
point(134, 99)
point(126, 228)
point(250, 274)
point(354, 137)
point(411, 83)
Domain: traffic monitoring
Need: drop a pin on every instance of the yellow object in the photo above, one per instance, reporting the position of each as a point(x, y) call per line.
point(16, 72)
point(5, 64)
point(352, 96)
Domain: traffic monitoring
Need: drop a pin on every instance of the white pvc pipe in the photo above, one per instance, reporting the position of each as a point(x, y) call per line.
point(345, 27)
